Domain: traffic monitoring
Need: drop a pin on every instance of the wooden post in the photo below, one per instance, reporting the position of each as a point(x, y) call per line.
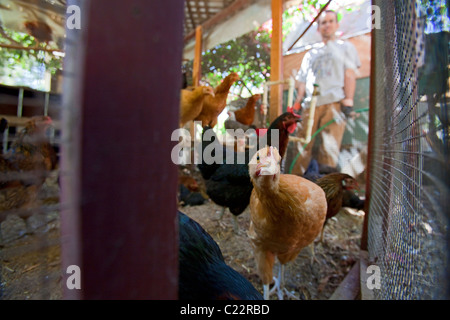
point(276, 56)
point(371, 138)
point(118, 183)
point(20, 103)
point(196, 74)
point(197, 68)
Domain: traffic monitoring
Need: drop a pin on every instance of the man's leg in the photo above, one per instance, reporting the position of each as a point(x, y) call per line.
point(306, 154)
point(331, 135)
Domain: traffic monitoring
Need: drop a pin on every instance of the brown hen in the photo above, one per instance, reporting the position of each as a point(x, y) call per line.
point(191, 102)
point(24, 168)
point(287, 213)
point(334, 185)
point(213, 106)
point(246, 115)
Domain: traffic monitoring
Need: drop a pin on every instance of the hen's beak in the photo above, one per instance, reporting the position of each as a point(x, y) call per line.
point(258, 169)
point(265, 169)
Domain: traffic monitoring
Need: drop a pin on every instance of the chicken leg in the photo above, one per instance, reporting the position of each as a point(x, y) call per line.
point(235, 221)
point(235, 224)
point(278, 286)
point(222, 212)
point(321, 233)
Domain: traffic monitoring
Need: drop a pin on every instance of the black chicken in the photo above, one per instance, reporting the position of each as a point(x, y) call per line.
point(227, 184)
point(189, 198)
point(312, 173)
point(203, 272)
point(351, 200)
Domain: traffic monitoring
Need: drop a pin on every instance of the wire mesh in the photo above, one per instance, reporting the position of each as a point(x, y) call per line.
point(30, 259)
point(408, 216)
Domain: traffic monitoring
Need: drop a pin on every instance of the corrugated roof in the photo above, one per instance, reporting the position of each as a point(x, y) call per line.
point(199, 11)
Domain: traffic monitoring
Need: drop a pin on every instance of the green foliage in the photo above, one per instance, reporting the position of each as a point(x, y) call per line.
point(25, 67)
point(248, 55)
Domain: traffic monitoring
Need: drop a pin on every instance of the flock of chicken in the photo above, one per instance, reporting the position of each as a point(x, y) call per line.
point(25, 167)
point(287, 212)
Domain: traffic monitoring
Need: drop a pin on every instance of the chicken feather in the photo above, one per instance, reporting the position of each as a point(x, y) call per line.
point(191, 102)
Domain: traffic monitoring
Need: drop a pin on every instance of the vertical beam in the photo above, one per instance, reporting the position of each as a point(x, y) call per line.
point(197, 68)
point(197, 71)
point(371, 138)
point(46, 102)
point(5, 140)
point(121, 98)
point(276, 56)
point(20, 103)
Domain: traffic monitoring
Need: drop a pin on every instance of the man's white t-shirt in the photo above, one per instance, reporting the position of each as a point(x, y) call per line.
point(325, 65)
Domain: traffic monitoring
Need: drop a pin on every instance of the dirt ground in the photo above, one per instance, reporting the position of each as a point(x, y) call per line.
point(30, 257)
point(30, 253)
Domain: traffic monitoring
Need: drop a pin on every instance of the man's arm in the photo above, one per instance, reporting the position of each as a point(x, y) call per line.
point(349, 87)
point(349, 91)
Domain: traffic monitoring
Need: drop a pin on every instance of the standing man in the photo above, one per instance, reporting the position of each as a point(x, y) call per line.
point(332, 65)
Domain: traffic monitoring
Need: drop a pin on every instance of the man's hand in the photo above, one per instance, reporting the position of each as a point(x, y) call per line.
point(297, 106)
point(347, 108)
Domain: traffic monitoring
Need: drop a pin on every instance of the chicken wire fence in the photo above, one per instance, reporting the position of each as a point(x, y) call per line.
point(29, 194)
point(408, 213)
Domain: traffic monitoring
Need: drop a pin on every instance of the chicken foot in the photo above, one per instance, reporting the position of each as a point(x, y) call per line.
point(235, 220)
point(278, 287)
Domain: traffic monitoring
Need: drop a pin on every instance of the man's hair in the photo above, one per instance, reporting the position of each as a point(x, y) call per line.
point(325, 12)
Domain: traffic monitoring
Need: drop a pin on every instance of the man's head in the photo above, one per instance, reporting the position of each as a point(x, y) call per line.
point(328, 25)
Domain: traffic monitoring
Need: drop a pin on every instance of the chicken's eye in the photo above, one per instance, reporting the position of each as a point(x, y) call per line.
point(257, 158)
